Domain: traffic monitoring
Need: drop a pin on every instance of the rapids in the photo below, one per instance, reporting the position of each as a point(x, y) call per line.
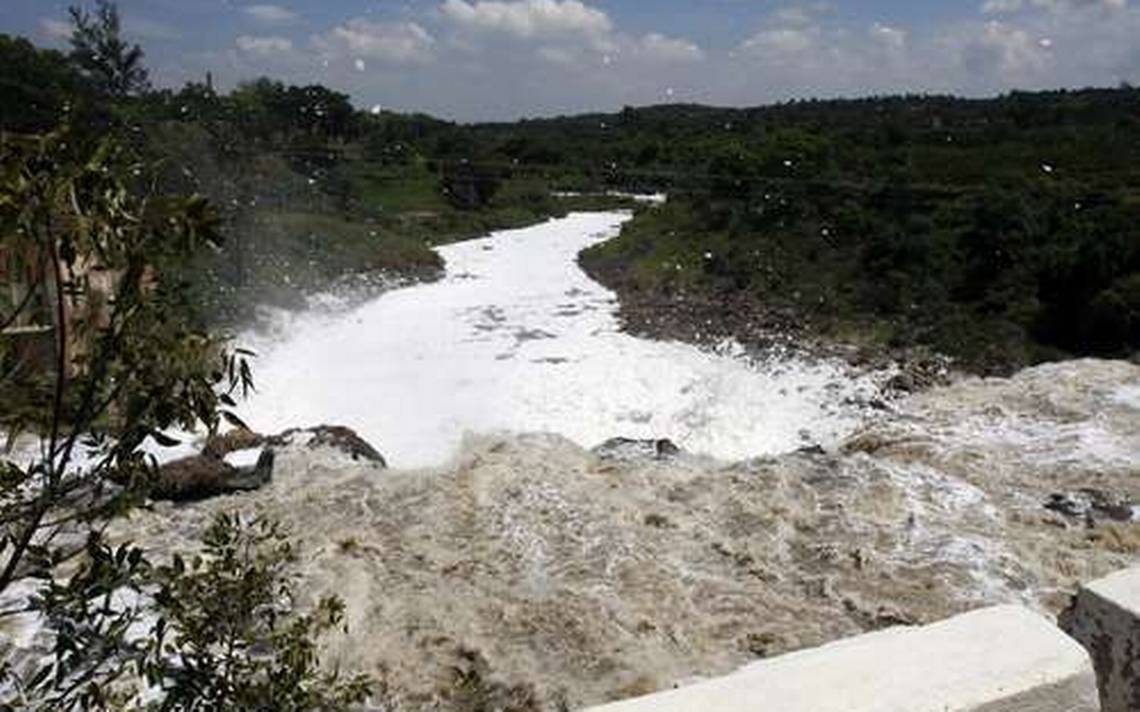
point(563, 578)
point(586, 579)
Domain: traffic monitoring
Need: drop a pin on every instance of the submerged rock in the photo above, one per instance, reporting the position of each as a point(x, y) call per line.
point(920, 372)
point(1092, 506)
point(630, 449)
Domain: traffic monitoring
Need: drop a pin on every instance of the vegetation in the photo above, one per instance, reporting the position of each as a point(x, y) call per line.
point(1003, 232)
point(215, 632)
point(100, 355)
point(1000, 231)
point(218, 632)
point(102, 56)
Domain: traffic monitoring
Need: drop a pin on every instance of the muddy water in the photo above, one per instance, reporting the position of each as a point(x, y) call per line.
point(578, 579)
point(590, 579)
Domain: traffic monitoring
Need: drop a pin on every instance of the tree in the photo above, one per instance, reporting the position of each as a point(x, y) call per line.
point(38, 87)
point(105, 58)
point(220, 631)
point(469, 186)
point(124, 364)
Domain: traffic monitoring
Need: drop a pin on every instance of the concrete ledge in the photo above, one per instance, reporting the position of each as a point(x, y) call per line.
point(1105, 618)
point(1003, 659)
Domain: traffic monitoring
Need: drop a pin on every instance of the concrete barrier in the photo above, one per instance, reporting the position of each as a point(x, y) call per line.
point(1105, 618)
point(1003, 659)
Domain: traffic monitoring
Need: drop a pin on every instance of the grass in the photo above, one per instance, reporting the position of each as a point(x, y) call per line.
point(395, 190)
point(335, 245)
point(279, 257)
point(393, 218)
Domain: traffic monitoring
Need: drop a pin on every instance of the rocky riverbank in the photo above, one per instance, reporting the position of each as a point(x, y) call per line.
point(531, 573)
point(708, 320)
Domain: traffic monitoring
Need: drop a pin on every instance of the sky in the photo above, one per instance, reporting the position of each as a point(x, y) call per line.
point(473, 60)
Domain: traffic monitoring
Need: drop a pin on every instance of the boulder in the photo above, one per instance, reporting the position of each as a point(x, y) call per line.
point(336, 437)
point(628, 449)
point(222, 444)
point(920, 373)
point(204, 476)
point(1092, 505)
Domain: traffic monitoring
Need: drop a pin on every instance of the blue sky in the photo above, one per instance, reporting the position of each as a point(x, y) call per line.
point(494, 59)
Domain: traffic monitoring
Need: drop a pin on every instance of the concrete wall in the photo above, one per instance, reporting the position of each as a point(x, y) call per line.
point(1001, 659)
point(1105, 618)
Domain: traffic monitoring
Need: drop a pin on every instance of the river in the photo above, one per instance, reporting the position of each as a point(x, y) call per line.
point(516, 337)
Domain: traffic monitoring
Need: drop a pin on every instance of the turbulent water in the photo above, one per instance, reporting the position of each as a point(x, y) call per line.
point(589, 579)
point(517, 338)
point(576, 578)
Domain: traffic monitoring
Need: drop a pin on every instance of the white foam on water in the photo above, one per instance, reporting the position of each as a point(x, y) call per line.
point(28, 450)
point(243, 458)
point(516, 337)
point(1128, 396)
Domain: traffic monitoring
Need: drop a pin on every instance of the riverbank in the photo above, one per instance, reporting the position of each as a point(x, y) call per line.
point(775, 269)
point(662, 296)
point(291, 257)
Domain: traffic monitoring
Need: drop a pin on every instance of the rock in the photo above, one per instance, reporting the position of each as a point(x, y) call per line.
point(222, 444)
point(336, 437)
point(903, 382)
point(627, 449)
point(1092, 505)
point(812, 451)
point(204, 476)
point(920, 373)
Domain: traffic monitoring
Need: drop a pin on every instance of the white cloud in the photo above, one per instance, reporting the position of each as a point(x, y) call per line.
point(798, 15)
point(55, 29)
point(149, 29)
point(270, 14)
point(998, 7)
point(528, 18)
point(1047, 44)
point(781, 41)
point(808, 51)
point(559, 56)
point(264, 46)
point(567, 34)
point(669, 49)
point(1005, 50)
point(893, 38)
point(133, 27)
point(788, 31)
point(392, 42)
point(482, 59)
